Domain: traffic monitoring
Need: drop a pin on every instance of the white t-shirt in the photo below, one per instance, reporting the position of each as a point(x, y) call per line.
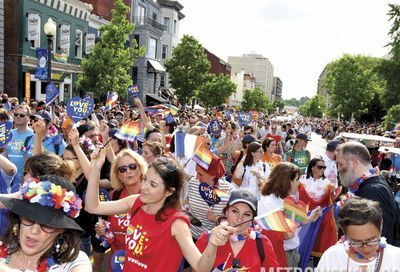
point(272, 202)
point(315, 188)
point(82, 259)
point(250, 180)
point(335, 259)
point(331, 172)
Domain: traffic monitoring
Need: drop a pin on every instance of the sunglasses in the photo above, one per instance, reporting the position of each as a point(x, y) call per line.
point(123, 168)
point(22, 115)
point(27, 222)
point(320, 167)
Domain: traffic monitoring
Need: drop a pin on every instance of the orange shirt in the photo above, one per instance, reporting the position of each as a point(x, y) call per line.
point(272, 159)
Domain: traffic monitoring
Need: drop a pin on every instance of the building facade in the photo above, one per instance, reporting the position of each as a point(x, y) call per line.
point(277, 89)
point(257, 65)
point(218, 66)
point(321, 90)
point(24, 33)
point(244, 81)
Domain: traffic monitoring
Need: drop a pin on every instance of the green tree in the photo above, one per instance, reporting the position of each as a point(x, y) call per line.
point(296, 103)
point(256, 100)
point(351, 82)
point(278, 103)
point(107, 67)
point(314, 107)
point(215, 90)
point(391, 118)
point(188, 68)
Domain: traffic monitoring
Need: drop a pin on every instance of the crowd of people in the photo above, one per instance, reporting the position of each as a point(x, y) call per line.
point(73, 193)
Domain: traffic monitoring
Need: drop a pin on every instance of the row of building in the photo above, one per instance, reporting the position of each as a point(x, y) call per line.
point(77, 28)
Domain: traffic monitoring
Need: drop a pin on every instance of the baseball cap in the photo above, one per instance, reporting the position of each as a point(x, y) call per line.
point(42, 114)
point(331, 146)
point(303, 136)
point(248, 139)
point(243, 196)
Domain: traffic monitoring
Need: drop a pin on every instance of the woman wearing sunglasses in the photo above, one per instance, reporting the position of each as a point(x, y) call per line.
point(316, 190)
point(42, 235)
point(158, 234)
point(246, 249)
point(362, 248)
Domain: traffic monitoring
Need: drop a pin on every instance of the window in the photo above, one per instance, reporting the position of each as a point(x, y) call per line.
point(141, 13)
point(174, 26)
point(162, 80)
point(164, 52)
point(78, 43)
point(154, 16)
point(166, 24)
point(152, 51)
point(137, 39)
point(34, 30)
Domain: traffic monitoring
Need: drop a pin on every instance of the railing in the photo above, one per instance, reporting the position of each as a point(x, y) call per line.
point(144, 20)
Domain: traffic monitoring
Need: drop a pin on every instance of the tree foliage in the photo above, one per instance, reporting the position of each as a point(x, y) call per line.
point(278, 103)
point(255, 100)
point(391, 118)
point(216, 90)
point(352, 82)
point(107, 67)
point(188, 68)
point(314, 107)
point(296, 103)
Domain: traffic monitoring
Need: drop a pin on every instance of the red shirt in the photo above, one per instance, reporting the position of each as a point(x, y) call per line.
point(248, 256)
point(149, 244)
point(118, 225)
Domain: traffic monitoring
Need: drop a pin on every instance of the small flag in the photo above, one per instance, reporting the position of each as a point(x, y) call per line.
point(275, 220)
point(174, 110)
point(186, 144)
point(296, 212)
point(203, 156)
point(60, 57)
point(220, 193)
point(111, 101)
point(129, 131)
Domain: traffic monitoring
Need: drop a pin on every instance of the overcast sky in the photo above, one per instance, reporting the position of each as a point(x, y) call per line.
point(298, 36)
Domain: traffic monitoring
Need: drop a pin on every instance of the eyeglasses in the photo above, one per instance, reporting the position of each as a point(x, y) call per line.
point(123, 168)
point(22, 115)
point(320, 167)
point(365, 243)
point(27, 222)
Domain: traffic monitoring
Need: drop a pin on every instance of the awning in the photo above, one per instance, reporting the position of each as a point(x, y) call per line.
point(154, 66)
point(153, 99)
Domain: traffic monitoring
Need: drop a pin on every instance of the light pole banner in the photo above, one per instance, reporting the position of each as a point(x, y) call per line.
point(51, 93)
point(33, 27)
point(65, 39)
point(90, 39)
point(41, 70)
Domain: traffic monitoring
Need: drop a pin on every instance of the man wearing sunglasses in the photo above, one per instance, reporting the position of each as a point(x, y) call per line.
point(14, 148)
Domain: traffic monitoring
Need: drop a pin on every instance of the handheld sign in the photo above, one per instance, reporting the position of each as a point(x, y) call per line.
point(51, 93)
point(214, 127)
point(245, 118)
point(5, 133)
point(117, 260)
point(104, 195)
point(79, 109)
point(134, 90)
point(207, 192)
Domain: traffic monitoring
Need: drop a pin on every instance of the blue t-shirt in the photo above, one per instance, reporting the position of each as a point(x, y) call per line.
point(48, 145)
point(15, 151)
point(396, 162)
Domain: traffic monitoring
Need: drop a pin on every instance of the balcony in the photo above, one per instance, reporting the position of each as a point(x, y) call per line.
point(146, 21)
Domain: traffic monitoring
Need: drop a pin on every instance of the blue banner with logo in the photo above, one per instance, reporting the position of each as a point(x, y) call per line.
point(134, 90)
point(5, 133)
point(79, 109)
point(245, 118)
point(41, 70)
point(51, 93)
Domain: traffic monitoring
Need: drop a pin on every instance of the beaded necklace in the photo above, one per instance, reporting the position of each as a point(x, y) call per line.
point(378, 260)
point(371, 173)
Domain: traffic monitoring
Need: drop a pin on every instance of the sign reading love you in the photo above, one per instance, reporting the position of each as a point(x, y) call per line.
point(207, 192)
point(78, 108)
point(5, 133)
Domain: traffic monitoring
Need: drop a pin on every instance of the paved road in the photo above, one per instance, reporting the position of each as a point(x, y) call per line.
point(317, 145)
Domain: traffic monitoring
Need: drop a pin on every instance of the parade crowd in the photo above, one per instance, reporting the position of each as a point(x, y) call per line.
point(163, 188)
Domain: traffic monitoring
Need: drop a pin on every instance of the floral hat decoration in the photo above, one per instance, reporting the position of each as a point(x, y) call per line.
point(50, 200)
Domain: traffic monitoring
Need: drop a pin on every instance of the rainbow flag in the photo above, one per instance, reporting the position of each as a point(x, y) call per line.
point(174, 110)
point(220, 193)
point(129, 131)
point(203, 156)
point(294, 211)
point(275, 220)
point(111, 101)
point(186, 144)
point(61, 57)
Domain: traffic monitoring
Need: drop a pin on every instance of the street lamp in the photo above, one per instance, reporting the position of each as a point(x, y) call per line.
point(50, 31)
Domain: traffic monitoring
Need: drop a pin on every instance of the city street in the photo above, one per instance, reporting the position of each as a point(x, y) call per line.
point(317, 145)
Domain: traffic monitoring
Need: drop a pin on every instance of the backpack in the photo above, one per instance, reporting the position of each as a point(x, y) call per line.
point(27, 139)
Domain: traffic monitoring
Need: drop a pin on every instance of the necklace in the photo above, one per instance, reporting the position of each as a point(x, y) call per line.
point(371, 172)
point(378, 260)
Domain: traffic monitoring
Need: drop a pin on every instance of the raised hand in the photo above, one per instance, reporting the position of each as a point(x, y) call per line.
point(220, 235)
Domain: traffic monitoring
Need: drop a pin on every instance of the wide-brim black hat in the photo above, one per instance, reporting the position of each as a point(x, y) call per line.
point(46, 215)
point(40, 214)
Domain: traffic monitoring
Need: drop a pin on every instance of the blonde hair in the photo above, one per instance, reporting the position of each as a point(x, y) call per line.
point(116, 182)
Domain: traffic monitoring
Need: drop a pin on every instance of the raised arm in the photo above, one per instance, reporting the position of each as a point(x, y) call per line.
point(39, 127)
point(92, 203)
point(84, 162)
point(8, 167)
point(145, 119)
